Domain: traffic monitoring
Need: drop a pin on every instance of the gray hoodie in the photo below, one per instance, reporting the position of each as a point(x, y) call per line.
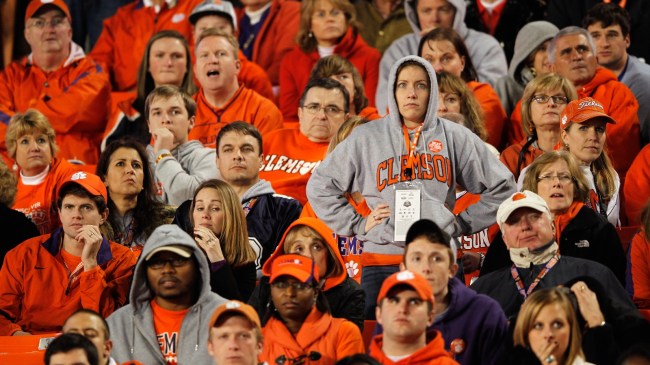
point(132, 328)
point(486, 53)
point(369, 161)
point(192, 164)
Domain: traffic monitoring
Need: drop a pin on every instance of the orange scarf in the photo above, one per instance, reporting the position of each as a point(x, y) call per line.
point(563, 220)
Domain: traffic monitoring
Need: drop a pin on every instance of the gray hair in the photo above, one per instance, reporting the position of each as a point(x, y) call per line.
point(571, 30)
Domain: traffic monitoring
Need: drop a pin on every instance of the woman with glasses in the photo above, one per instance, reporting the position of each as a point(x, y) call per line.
point(579, 230)
point(326, 27)
point(545, 97)
point(298, 326)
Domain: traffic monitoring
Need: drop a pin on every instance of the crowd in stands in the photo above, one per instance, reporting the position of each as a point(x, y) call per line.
point(326, 181)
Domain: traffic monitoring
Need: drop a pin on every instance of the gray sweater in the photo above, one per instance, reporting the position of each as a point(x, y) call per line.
point(369, 161)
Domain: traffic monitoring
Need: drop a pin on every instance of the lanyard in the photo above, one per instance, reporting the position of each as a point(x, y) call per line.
point(520, 285)
point(411, 148)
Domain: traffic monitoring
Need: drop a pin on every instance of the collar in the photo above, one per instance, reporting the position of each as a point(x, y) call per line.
point(76, 53)
point(52, 246)
point(622, 74)
point(524, 258)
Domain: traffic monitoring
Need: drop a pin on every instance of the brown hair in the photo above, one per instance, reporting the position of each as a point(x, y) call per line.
point(305, 38)
point(470, 108)
point(448, 34)
point(334, 268)
point(541, 83)
point(8, 185)
point(580, 184)
point(166, 92)
point(334, 65)
point(30, 122)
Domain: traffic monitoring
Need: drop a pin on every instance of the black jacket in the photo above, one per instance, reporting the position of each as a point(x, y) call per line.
point(15, 228)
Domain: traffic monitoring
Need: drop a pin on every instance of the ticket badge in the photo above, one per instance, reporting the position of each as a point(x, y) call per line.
point(407, 208)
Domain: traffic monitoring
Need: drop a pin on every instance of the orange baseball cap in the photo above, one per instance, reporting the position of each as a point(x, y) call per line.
point(414, 280)
point(235, 306)
point(36, 5)
point(581, 110)
point(300, 267)
point(90, 182)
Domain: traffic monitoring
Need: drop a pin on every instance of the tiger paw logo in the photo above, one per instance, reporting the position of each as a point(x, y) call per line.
point(352, 268)
point(435, 146)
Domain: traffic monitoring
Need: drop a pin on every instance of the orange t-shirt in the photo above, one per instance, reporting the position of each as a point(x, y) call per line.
point(167, 324)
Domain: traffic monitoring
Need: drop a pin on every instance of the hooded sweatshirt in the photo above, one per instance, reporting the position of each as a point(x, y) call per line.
point(370, 159)
point(486, 53)
point(433, 353)
point(344, 295)
point(132, 327)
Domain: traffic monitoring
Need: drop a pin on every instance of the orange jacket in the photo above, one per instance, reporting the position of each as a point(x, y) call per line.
point(245, 105)
point(370, 113)
point(333, 338)
point(38, 202)
point(34, 292)
point(640, 269)
point(493, 113)
point(122, 43)
point(297, 65)
point(637, 186)
point(74, 98)
point(276, 37)
point(510, 157)
point(253, 77)
point(289, 159)
point(514, 128)
point(433, 353)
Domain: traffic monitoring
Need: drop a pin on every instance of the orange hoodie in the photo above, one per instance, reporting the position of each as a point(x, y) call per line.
point(433, 353)
point(493, 113)
point(637, 186)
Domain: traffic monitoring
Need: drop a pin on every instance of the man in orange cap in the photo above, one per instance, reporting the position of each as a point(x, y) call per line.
point(235, 334)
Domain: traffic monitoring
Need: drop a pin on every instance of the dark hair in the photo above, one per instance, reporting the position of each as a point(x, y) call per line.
point(240, 127)
point(328, 84)
point(78, 190)
point(412, 63)
point(358, 359)
point(166, 92)
point(608, 15)
point(448, 34)
point(107, 331)
point(335, 65)
point(149, 212)
point(69, 342)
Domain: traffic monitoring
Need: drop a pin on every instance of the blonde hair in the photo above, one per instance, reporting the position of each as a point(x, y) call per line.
point(344, 131)
point(30, 122)
point(533, 306)
point(544, 82)
point(470, 108)
point(8, 185)
point(214, 32)
point(233, 236)
point(334, 268)
point(305, 39)
point(580, 184)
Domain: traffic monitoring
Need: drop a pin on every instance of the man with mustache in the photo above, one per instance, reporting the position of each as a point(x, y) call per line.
point(170, 300)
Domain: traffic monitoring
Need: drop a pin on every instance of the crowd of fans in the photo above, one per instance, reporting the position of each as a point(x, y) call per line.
point(272, 181)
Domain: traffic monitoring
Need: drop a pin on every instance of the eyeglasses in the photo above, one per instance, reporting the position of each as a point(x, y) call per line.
point(160, 263)
point(330, 110)
point(557, 99)
point(284, 285)
point(56, 23)
point(563, 179)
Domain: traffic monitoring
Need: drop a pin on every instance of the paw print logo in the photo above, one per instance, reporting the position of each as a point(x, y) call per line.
point(352, 268)
point(79, 176)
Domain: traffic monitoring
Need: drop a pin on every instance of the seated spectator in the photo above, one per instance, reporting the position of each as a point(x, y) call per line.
point(383, 22)
point(609, 26)
point(77, 266)
point(31, 142)
point(58, 80)
point(221, 15)
point(14, 225)
point(69, 349)
point(235, 334)
point(170, 299)
point(425, 15)
point(134, 210)
point(166, 61)
point(446, 51)
point(579, 230)
point(637, 186)
point(311, 238)
point(405, 309)
point(293, 154)
point(268, 215)
point(220, 95)
point(320, 36)
point(133, 25)
point(338, 68)
point(529, 61)
point(178, 164)
point(93, 326)
point(639, 270)
point(542, 103)
point(267, 31)
point(299, 324)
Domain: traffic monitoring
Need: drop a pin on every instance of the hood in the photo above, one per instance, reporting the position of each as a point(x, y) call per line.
point(166, 235)
point(601, 76)
point(186, 149)
point(460, 298)
point(528, 39)
point(432, 108)
point(261, 187)
point(327, 235)
point(459, 18)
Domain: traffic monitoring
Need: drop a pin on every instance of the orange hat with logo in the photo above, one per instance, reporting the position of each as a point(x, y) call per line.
point(235, 306)
point(90, 182)
point(409, 278)
point(581, 110)
point(300, 267)
point(36, 5)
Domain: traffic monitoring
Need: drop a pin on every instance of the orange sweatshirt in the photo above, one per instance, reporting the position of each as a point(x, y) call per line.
point(245, 105)
point(433, 353)
point(510, 157)
point(493, 113)
point(637, 186)
point(640, 269)
point(36, 265)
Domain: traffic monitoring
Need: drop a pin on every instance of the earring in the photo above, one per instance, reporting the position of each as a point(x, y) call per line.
point(533, 72)
point(14, 167)
point(311, 35)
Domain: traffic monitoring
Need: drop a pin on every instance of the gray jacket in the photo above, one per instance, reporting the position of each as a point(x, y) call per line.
point(637, 78)
point(180, 176)
point(132, 328)
point(369, 161)
point(486, 53)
